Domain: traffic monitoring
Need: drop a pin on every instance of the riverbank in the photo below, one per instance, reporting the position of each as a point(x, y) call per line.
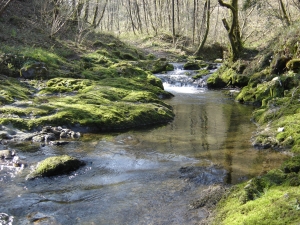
point(269, 80)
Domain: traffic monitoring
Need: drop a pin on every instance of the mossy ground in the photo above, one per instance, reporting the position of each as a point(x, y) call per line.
point(277, 205)
point(272, 198)
point(109, 104)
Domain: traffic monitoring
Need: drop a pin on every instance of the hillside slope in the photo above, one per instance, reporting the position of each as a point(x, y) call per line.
point(91, 85)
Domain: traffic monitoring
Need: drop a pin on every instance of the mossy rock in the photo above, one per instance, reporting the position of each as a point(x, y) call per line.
point(10, 64)
point(128, 56)
point(98, 44)
point(232, 78)
point(155, 66)
point(291, 165)
point(239, 66)
point(227, 76)
point(261, 92)
point(253, 190)
point(56, 165)
point(278, 64)
point(194, 65)
point(201, 73)
point(155, 81)
point(36, 70)
point(191, 66)
point(214, 81)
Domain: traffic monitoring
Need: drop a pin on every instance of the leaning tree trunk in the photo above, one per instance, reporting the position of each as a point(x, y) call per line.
point(285, 14)
point(233, 30)
point(207, 12)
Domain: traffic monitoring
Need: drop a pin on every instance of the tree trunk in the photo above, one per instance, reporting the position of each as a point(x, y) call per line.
point(194, 20)
point(145, 17)
point(233, 30)
point(131, 18)
point(207, 11)
point(285, 15)
point(102, 14)
point(173, 20)
point(96, 10)
point(86, 11)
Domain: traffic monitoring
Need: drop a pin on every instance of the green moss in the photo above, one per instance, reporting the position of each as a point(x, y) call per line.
point(278, 206)
point(269, 199)
point(155, 66)
point(194, 64)
point(292, 165)
point(214, 81)
point(96, 57)
point(94, 85)
point(101, 105)
point(56, 165)
point(201, 73)
point(12, 90)
point(227, 76)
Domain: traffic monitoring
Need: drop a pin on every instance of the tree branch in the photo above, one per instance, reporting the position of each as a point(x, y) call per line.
point(226, 24)
point(4, 7)
point(224, 4)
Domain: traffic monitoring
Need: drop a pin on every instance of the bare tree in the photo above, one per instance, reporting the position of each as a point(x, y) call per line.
point(55, 14)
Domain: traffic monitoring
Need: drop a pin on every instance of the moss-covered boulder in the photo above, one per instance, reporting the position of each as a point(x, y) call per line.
point(37, 70)
point(227, 77)
point(201, 73)
point(292, 165)
point(194, 65)
point(278, 64)
point(155, 66)
point(56, 165)
point(262, 91)
point(214, 81)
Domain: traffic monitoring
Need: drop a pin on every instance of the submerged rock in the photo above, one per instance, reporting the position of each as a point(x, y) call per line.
point(209, 197)
point(34, 70)
point(203, 175)
point(39, 218)
point(56, 165)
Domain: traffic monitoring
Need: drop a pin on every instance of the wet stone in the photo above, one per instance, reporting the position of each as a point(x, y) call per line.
point(6, 154)
point(203, 175)
point(58, 143)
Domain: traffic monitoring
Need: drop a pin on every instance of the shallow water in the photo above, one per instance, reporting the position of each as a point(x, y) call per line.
point(147, 176)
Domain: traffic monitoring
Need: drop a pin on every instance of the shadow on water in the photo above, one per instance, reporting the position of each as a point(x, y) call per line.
point(148, 176)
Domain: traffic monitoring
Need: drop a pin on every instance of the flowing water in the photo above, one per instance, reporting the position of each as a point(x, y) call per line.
point(148, 176)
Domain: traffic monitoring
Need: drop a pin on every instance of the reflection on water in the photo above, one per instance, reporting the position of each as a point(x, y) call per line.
point(148, 176)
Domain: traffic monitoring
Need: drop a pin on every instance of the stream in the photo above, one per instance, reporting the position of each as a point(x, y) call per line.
point(145, 176)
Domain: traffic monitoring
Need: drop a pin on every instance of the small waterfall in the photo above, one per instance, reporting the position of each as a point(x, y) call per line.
point(180, 80)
